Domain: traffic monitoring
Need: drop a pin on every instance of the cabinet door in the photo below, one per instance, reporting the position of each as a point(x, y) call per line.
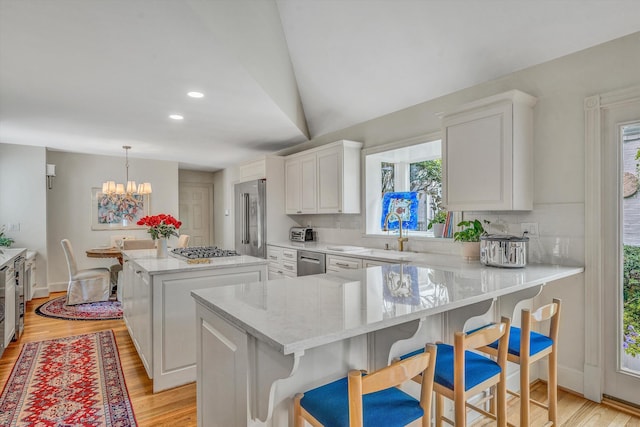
point(308, 191)
point(330, 180)
point(144, 318)
point(477, 159)
point(293, 185)
point(9, 311)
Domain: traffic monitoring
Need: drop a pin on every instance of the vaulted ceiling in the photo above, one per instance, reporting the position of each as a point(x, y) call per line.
point(92, 75)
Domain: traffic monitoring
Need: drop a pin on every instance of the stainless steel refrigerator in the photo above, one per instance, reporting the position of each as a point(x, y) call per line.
point(250, 218)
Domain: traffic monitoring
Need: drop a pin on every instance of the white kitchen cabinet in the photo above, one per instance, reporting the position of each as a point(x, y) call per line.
point(9, 305)
point(324, 179)
point(282, 262)
point(300, 184)
point(341, 263)
point(159, 312)
point(487, 154)
point(222, 358)
point(371, 263)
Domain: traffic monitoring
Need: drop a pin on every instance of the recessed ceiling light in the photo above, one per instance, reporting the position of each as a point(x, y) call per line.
point(195, 94)
point(176, 116)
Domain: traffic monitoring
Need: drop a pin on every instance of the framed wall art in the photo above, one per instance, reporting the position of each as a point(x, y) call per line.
point(117, 211)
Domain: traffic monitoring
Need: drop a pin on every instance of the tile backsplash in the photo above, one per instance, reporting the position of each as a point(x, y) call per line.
point(560, 237)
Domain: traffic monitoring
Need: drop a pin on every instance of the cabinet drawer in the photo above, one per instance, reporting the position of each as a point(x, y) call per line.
point(289, 255)
point(291, 267)
point(275, 273)
point(344, 263)
point(274, 254)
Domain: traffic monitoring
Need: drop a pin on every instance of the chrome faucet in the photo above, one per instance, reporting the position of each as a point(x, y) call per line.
point(401, 239)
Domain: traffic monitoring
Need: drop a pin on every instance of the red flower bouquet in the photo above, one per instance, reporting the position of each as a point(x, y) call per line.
point(161, 225)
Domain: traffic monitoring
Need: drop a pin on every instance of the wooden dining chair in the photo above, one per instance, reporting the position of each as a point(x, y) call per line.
point(527, 347)
point(183, 241)
point(371, 399)
point(462, 373)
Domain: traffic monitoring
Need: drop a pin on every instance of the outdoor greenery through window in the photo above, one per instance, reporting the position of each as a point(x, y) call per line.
point(414, 169)
point(631, 249)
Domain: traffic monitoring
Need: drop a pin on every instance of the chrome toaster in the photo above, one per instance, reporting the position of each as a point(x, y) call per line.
point(301, 234)
point(503, 251)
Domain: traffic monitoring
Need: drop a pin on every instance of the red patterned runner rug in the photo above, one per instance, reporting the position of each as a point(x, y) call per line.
point(73, 381)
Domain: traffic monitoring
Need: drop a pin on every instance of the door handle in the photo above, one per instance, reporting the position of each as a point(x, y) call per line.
point(245, 218)
point(311, 260)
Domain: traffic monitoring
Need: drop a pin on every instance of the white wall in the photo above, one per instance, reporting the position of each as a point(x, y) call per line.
point(223, 233)
point(69, 204)
point(23, 200)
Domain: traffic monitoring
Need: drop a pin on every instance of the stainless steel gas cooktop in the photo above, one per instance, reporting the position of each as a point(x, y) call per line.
point(197, 252)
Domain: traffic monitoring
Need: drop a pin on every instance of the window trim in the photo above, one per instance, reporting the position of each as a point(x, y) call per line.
point(389, 146)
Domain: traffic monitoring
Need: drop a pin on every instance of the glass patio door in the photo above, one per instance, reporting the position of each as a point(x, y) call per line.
point(621, 252)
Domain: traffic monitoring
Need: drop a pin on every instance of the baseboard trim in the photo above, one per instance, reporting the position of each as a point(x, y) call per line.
point(621, 405)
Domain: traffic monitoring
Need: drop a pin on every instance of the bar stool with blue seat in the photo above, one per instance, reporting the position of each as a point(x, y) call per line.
point(462, 373)
point(527, 347)
point(371, 400)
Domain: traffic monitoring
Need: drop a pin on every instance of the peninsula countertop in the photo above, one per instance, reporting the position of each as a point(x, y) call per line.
point(149, 262)
point(296, 314)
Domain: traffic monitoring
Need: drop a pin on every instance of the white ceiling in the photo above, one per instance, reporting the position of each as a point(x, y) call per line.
point(92, 75)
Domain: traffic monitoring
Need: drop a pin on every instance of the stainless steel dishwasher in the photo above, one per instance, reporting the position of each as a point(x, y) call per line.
point(311, 263)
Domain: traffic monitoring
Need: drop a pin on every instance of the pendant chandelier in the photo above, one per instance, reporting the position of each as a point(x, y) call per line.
point(129, 188)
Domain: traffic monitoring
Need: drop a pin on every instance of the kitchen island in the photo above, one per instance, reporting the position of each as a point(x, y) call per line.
point(159, 311)
point(260, 343)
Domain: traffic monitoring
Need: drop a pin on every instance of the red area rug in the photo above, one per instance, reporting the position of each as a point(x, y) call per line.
point(73, 381)
point(56, 308)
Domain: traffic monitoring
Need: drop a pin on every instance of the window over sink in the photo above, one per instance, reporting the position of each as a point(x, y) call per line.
point(410, 166)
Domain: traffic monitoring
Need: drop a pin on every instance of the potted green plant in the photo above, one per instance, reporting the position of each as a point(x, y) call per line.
point(437, 223)
point(470, 237)
point(4, 240)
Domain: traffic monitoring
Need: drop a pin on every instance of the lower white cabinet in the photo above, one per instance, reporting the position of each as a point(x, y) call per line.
point(341, 263)
point(159, 313)
point(371, 263)
point(222, 371)
point(9, 306)
point(283, 262)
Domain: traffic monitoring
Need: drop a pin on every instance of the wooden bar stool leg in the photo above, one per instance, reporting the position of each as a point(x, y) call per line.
point(439, 409)
point(297, 418)
point(524, 395)
point(501, 396)
point(461, 411)
point(552, 386)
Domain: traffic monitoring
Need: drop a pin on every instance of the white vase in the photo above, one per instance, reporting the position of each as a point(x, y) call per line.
point(438, 230)
point(471, 250)
point(161, 247)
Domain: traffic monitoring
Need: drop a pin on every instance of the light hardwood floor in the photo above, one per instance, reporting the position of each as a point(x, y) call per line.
point(177, 407)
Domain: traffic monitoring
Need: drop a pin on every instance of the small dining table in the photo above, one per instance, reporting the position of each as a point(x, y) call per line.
point(105, 253)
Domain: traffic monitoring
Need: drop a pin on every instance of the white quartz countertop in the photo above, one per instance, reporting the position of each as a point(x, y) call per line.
point(7, 255)
point(147, 260)
point(353, 251)
point(296, 314)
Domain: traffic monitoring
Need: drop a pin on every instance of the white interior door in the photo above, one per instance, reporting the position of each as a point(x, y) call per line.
point(621, 380)
point(196, 212)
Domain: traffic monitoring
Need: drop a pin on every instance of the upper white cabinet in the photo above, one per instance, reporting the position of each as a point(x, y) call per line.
point(324, 180)
point(487, 154)
point(301, 184)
